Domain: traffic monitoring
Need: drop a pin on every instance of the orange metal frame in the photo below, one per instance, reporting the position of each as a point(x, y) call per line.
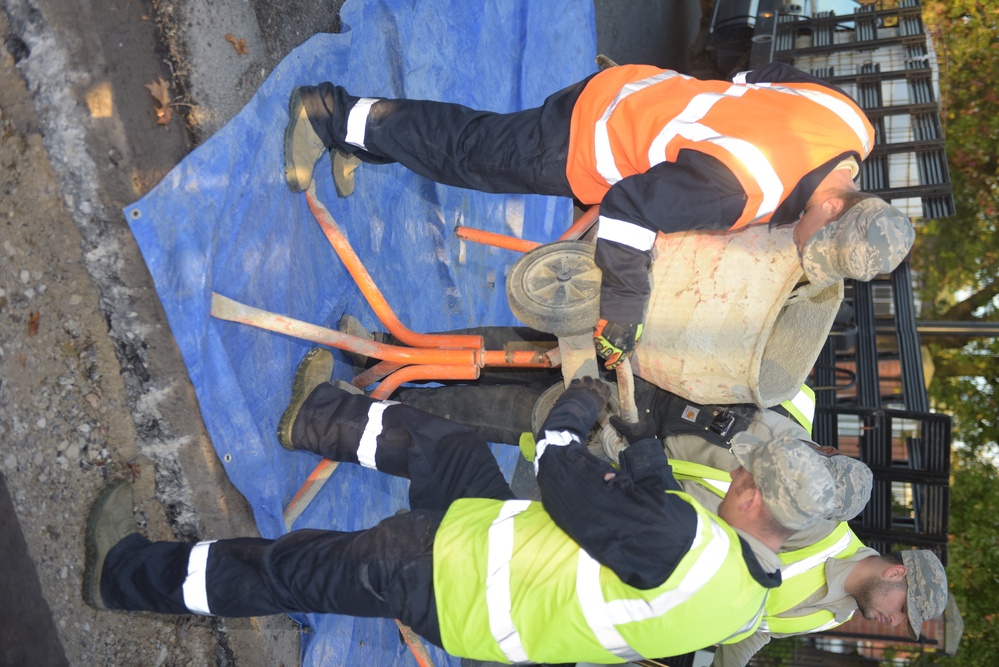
point(420, 357)
point(576, 231)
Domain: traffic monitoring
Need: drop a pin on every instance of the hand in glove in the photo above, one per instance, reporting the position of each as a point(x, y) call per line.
point(633, 432)
point(615, 342)
point(599, 389)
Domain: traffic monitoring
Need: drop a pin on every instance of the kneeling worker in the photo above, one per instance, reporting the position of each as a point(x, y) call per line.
point(612, 565)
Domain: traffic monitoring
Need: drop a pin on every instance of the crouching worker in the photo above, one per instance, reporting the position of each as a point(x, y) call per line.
point(612, 565)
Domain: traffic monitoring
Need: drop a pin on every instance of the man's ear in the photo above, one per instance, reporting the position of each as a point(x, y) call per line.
point(834, 206)
point(751, 499)
point(894, 573)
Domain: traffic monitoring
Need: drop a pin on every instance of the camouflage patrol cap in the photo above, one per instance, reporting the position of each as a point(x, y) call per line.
point(853, 480)
point(870, 238)
point(926, 587)
point(795, 484)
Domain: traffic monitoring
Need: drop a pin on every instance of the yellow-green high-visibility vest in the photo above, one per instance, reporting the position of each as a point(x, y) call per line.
point(715, 480)
point(512, 587)
point(803, 572)
point(802, 407)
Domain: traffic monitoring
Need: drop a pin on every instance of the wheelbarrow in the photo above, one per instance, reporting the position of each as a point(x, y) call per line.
point(557, 287)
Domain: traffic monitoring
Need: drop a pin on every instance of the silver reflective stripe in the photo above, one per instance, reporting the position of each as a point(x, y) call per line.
point(556, 438)
point(798, 567)
point(498, 596)
point(603, 617)
point(718, 484)
point(687, 125)
point(606, 164)
point(626, 233)
point(805, 405)
point(751, 624)
point(357, 121)
point(822, 628)
point(839, 107)
point(829, 625)
point(740, 77)
point(195, 587)
point(708, 563)
point(595, 609)
point(369, 439)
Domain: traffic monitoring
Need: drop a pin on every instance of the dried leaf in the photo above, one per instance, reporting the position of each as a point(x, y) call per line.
point(238, 43)
point(33, 324)
point(161, 93)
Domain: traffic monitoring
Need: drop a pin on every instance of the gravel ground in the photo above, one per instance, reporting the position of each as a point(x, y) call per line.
point(91, 391)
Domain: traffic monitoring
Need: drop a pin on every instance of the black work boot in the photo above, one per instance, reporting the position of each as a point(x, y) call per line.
point(316, 368)
point(111, 520)
point(352, 326)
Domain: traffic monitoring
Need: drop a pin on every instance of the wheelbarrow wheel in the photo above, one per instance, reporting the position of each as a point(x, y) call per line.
point(556, 288)
point(546, 401)
point(544, 404)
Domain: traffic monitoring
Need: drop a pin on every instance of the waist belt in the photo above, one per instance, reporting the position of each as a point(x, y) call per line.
point(716, 424)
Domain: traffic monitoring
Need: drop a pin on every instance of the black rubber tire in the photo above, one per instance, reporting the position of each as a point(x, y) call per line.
point(544, 404)
point(555, 288)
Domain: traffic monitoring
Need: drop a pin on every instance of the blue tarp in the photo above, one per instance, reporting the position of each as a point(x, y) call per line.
point(224, 221)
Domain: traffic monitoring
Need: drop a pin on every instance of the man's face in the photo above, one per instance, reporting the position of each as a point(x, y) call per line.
point(883, 601)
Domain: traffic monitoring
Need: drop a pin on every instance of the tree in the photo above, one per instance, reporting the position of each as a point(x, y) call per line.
point(958, 255)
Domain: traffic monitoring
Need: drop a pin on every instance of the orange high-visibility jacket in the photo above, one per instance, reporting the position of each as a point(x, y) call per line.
point(770, 135)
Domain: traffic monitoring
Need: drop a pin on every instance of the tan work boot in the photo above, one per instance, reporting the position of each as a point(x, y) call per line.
point(343, 173)
point(302, 146)
point(111, 520)
point(315, 369)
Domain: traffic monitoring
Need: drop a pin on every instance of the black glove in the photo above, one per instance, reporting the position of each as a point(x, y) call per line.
point(615, 342)
point(599, 389)
point(633, 432)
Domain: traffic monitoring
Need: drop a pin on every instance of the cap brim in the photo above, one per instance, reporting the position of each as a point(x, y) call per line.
point(742, 444)
point(914, 621)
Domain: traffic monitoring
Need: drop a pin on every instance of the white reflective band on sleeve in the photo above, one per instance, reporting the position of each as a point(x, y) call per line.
point(740, 77)
point(606, 164)
point(798, 567)
point(195, 587)
point(498, 596)
point(626, 233)
point(687, 125)
point(839, 107)
point(556, 438)
point(357, 121)
point(369, 439)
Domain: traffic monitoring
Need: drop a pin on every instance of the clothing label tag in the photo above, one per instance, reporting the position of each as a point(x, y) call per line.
point(690, 413)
